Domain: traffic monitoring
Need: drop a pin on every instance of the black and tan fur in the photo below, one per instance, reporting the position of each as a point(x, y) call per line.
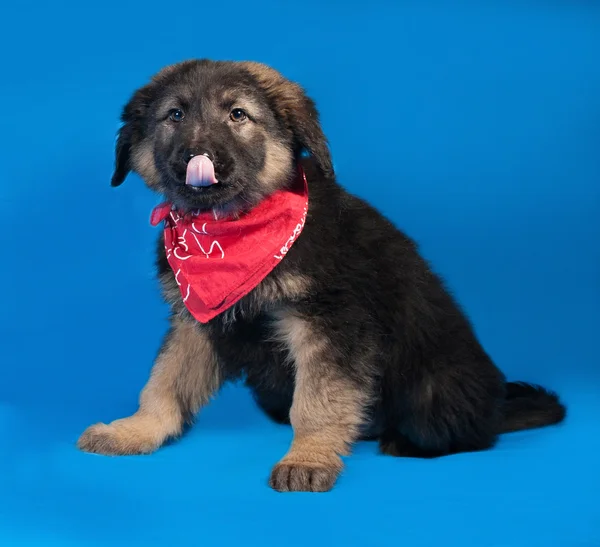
point(351, 336)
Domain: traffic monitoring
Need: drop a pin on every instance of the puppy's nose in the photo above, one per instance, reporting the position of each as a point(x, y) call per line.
point(189, 154)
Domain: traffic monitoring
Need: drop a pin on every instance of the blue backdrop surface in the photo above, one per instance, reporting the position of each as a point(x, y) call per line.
point(474, 126)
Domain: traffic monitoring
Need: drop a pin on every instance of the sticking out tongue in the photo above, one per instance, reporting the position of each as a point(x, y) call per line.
point(200, 172)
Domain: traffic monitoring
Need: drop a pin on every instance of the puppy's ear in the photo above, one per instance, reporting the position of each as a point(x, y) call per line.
point(307, 128)
point(131, 132)
point(122, 156)
point(297, 110)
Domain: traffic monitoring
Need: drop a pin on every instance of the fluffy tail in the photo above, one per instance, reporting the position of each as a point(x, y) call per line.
point(528, 406)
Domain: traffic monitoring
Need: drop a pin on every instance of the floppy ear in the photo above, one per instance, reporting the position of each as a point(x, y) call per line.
point(308, 131)
point(297, 110)
point(131, 132)
point(122, 156)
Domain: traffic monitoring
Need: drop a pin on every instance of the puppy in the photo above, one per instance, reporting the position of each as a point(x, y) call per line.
point(350, 335)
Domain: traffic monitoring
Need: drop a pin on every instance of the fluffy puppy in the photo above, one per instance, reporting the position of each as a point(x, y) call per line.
point(351, 336)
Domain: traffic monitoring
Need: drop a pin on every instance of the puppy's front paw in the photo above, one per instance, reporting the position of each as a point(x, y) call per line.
point(122, 437)
point(303, 477)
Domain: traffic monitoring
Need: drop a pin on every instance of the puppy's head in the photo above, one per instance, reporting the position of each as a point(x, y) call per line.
point(218, 135)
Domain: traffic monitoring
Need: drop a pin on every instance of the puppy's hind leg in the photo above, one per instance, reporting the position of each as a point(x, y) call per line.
point(452, 409)
point(183, 378)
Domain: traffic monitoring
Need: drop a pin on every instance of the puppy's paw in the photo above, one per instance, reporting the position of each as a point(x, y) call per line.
point(119, 438)
point(303, 477)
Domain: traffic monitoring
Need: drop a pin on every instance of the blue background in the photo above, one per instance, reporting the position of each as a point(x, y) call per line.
point(474, 126)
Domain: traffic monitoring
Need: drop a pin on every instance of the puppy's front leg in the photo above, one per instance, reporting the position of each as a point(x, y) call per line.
point(326, 413)
point(183, 378)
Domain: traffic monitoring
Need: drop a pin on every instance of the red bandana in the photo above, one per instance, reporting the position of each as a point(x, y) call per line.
point(218, 262)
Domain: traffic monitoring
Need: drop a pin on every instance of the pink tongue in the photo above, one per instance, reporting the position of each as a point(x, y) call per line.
point(200, 172)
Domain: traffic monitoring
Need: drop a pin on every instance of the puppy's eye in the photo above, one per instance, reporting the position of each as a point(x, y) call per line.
point(237, 115)
point(176, 115)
